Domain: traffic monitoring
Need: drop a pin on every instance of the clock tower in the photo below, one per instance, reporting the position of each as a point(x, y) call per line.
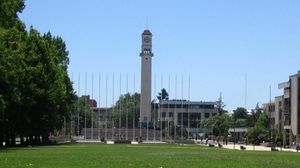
point(145, 99)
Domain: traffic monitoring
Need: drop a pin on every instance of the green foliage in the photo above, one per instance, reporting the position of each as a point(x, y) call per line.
point(278, 139)
point(219, 123)
point(163, 95)
point(83, 111)
point(36, 93)
point(8, 14)
point(240, 113)
point(127, 111)
point(259, 132)
point(240, 123)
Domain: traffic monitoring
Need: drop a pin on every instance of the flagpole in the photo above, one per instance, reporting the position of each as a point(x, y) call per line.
point(168, 110)
point(111, 112)
point(182, 107)
point(175, 125)
point(127, 107)
point(71, 125)
point(160, 107)
point(99, 110)
point(189, 109)
point(92, 123)
point(78, 105)
point(134, 109)
point(106, 107)
point(154, 109)
point(85, 106)
point(120, 116)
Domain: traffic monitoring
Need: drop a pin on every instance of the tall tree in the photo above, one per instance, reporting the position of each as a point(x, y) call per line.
point(36, 93)
point(12, 37)
point(49, 86)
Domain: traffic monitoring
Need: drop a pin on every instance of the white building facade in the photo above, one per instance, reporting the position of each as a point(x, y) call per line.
point(287, 110)
point(187, 114)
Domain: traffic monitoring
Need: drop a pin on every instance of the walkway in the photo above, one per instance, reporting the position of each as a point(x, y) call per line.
point(256, 148)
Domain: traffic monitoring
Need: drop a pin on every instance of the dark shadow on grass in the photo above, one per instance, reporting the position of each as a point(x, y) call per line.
point(19, 147)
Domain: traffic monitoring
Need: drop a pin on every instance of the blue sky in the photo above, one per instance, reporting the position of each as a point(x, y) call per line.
point(237, 47)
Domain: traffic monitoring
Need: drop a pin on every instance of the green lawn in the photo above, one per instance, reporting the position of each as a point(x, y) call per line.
point(142, 155)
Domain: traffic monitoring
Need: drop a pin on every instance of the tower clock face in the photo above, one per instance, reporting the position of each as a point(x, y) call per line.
point(146, 39)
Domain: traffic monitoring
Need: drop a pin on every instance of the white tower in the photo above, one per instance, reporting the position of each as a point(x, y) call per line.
point(146, 55)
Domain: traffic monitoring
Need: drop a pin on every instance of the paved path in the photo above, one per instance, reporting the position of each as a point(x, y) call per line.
point(256, 148)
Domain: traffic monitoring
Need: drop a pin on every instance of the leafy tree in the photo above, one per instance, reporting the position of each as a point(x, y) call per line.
point(127, 111)
point(49, 87)
point(241, 122)
point(240, 113)
point(12, 35)
point(219, 123)
point(254, 116)
point(36, 93)
point(8, 15)
point(260, 131)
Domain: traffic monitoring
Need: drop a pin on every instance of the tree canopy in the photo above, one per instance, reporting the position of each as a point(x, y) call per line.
point(219, 123)
point(240, 113)
point(36, 93)
point(260, 130)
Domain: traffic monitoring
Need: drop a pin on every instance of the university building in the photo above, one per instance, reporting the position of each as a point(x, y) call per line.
point(270, 112)
point(102, 115)
point(287, 111)
point(184, 113)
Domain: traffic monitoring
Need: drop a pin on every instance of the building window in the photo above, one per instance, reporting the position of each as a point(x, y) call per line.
point(163, 114)
point(195, 106)
point(206, 115)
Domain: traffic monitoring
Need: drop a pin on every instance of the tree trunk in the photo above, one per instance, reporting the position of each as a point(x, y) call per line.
point(38, 139)
point(1, 139)
point(7, 142)
point(45, 138)
point(26, 140)
point(22, 140)
point(13, 139)
point(31, 141)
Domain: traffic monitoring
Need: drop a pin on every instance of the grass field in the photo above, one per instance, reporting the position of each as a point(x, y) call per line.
point(142, 155)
